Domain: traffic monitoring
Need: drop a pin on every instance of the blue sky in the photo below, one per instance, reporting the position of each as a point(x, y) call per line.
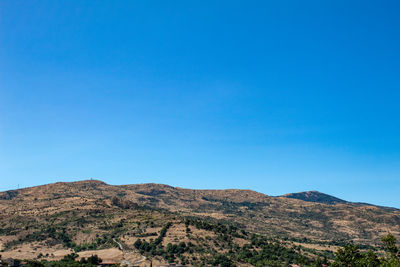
point(275, 96)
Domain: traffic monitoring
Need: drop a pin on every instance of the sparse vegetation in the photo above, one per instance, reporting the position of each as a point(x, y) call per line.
point(217, 228)
point(67, 261)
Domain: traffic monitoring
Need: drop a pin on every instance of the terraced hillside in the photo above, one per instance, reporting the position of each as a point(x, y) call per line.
point(276, 216)
point(164, 223)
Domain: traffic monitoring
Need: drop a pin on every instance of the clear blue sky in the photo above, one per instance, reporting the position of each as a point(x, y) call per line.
point(275, 96)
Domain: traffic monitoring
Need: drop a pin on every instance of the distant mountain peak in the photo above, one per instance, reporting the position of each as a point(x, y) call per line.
point(315, 196)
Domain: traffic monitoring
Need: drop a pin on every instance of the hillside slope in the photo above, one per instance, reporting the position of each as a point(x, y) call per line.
point(315, 196)
point(91, 215)
point(279, 216)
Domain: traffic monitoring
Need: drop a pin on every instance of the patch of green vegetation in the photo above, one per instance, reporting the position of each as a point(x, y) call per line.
point(67, 261)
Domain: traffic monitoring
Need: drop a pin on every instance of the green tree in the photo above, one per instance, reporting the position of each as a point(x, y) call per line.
point(349, 256)
point(370, 259)
point(389, 242)
point(94, 259)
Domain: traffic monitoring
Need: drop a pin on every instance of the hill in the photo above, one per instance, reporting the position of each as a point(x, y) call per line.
point(194, 226)
point(315, 196)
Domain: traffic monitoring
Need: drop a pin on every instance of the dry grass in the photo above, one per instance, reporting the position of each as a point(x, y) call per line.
point(26, 211)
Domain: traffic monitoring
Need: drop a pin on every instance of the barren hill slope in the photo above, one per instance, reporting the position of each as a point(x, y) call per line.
point(275, 216)
point(281, 216)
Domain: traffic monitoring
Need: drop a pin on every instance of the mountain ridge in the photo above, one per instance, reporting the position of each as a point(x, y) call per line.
point(245, 207)
point(92, 214)
point(309, 196)
point(315, 196)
